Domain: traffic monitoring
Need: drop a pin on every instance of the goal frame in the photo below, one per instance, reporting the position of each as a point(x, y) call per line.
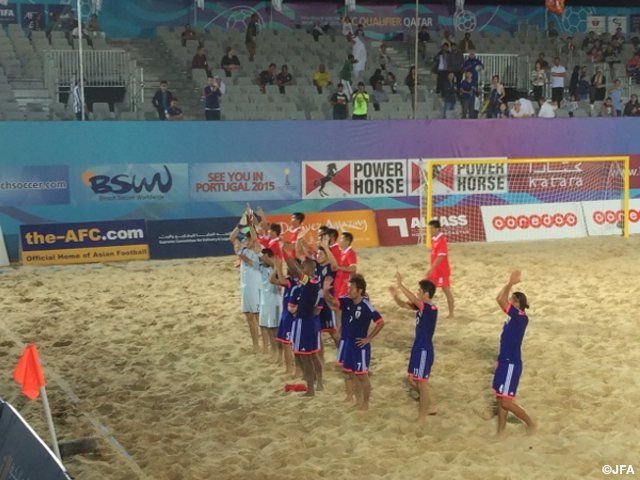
point(428, 203)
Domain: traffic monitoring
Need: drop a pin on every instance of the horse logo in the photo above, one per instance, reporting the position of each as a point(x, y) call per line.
point(332, 169)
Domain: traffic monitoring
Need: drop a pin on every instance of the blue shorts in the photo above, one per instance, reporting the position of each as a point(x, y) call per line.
point(420, 363)
point(327, 320)
point(356, 359)
point(342, 348)
point(305, 334)
point(284, 329)
point(506, 378)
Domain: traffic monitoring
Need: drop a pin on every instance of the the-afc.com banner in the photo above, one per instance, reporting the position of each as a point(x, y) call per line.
point(402, 226)
point(360, 223)
point(87, 242)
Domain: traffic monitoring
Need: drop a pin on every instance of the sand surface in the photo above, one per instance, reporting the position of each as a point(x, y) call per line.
point(153, 359)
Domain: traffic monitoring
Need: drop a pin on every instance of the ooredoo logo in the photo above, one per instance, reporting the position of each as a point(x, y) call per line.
point(522, 222)
point(611, 217)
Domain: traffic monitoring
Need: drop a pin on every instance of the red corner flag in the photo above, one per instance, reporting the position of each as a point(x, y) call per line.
point(28, 373)
point(555, 6)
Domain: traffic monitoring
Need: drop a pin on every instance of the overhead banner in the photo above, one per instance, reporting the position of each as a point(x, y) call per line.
point(23, 455)
point(192, 238)
point(88, 242)
point(132, 182)
point(34, 185)
point(244, 182)
point(360, 223)
point(355, 179)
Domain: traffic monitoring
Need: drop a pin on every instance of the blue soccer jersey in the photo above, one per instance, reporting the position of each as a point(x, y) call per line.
point(356, 318)
point(512, 335)
point(426, 318)
point(306, 298)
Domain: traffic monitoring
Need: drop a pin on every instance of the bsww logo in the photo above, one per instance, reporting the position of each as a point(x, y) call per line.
point(125, 183)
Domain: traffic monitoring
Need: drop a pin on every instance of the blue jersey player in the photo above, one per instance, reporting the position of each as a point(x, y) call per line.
point(357, 316)
point(422, 352)
point(306, 326)
point(509, 368)
point(288, 283)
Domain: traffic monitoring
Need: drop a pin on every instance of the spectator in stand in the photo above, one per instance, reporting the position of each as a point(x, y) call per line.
point(615, 93)
point(360, 100)
point(199, 61)
point(318, 30)
point(466, 44)
point(346, 74)
point(94, 28)
point(618, 36)
point(359, 51)
point(174, 112)
point(187, 34)
point(447, 39)
point(547, 109)
point(474, 65)
point(517, 111)
point(449, 94)
point(503, 110)
point(340, 102)
point(455, 62)
point(383, 57)
point(212, 93)
point(378, 95)
point(575, 79)
point(496, 97)
point(611, 57)
point(552, 33)
point(569, 46)
point(440, 66)
point(584, 84)
point(35, 23)
point(632, 108)
point(633, 67)
point(347, 28)
point(267, 77)
point(391, 82)
point(423, 39)
point(589, 41)
point(322, 78)
point(468, 91)
point(251, 35)
point(230, 62)
point(543, 63)
point(410, 80)
point(607, 109)
point(595, 55)
point(538, 80)
point(162, 99)
point(359, 31)
point(558, 73)
point(572, 105)
point(284, 78)
point(376, 77)
point(55, 24)
point(598, 88)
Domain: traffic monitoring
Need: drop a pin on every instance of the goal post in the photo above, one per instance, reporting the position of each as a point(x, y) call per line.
point(495, 199)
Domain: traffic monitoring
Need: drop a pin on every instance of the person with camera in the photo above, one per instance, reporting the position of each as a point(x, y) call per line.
point(360, 100)
point(212, 93)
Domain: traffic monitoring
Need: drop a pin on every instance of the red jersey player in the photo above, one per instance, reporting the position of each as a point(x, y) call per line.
point(439, 271)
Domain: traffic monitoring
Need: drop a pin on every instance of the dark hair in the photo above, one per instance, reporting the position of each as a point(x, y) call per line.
point(435, 223)
point(522, 300)
point(276, 228)
point(332, 233)
point(298, 216)
point(428, 287)
point(360, 283)
point(348, 236)
point(267, 252)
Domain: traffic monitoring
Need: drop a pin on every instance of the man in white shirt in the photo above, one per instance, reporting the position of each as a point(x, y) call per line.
point(557, 81)
point(359, 52)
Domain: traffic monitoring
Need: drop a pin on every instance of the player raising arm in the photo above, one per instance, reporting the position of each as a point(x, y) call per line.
point(509, 368)
point(439, 271)
point(422, 351)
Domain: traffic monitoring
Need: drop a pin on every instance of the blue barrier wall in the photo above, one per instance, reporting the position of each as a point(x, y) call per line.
point(129, 170)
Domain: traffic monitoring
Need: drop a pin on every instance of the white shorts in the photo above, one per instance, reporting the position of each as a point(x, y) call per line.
point(250, 299)
point(270, 316)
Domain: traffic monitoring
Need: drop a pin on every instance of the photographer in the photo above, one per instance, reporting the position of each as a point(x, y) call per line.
point(212, 92)
point(360, 100)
